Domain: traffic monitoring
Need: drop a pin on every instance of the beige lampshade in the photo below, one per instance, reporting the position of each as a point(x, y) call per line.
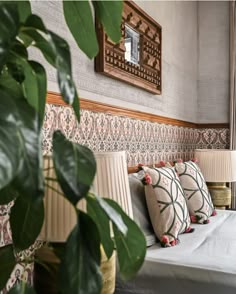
point(111, 181)
point(60, 217)
point(217, 165)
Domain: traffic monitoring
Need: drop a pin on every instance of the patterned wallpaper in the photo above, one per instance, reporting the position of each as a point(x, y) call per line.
point(145, 142)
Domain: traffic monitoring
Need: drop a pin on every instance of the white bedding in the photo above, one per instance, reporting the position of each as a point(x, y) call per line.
point(203, 262)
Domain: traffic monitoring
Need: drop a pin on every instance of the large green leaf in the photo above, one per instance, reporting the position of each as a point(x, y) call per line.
point(7, 194)
point(9, 24)
point(24, 118)
point(26, 221)
point(19, 49)
point(16, 71)
point(110, 212)
point(110, 15)
point(30, 36)
point(76, 107)
point(35, 22)
point(102, 221)
point(79, 270)
point(9, 154)
point(7, 264)
point(24, 9)
point(79, 19)
point(63, 65)
point(29, 177)
point(56, 51)
point(35, 86)
point(22, 288)
point(75, 167)
point(10, 85)
point(131, 248)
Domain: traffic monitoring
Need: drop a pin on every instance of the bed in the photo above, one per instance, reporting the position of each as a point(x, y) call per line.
point(203, 262)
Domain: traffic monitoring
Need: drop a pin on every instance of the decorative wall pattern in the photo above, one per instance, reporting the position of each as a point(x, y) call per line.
point(145, 142)
point(212, 138)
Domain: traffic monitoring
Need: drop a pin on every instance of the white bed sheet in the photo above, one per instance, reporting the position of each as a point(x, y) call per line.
point(203, 262)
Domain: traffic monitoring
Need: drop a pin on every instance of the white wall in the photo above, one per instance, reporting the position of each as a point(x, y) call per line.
point(213, 77)
point(179, 28)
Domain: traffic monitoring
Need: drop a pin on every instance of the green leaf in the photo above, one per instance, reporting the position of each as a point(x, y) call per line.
point(28, 181)
point(7, 261)
point(10, 155)
point(19, 49)
point(26, 221)
point(79, 270)
point(22, 116)
point(102, 221)
point(76, 107)
point(79, 20)
point(56, 51)
point(35, 87)
point(9, 24)
point(9, 85)
point(7, 194)
point(24, 9)
point(16, 71)
point(112, 214)
point(35, 22)
point(110, 15)
point(63, 65)
point(22, 288)
point(32, 37)
point(131, 248)
point(75, 167)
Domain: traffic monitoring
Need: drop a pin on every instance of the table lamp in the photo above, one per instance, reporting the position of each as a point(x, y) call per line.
point(218, 167)
point(111, 181)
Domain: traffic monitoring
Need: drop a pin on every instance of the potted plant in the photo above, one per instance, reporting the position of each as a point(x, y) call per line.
point(23, 90)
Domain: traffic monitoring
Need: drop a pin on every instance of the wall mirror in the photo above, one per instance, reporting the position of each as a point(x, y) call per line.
point(131, 45)
point(137, 58)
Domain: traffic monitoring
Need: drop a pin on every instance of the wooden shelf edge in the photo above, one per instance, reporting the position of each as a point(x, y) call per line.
point(85, 104)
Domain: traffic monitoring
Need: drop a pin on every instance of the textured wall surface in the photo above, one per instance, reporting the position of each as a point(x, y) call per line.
point(213, 83)
point(179, 99)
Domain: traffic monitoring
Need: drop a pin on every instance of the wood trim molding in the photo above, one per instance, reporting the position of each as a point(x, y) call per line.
point(213, 126)
point(55, 98)
point(135, 169)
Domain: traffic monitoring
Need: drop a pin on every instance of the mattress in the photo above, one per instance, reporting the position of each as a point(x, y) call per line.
point(203, 262)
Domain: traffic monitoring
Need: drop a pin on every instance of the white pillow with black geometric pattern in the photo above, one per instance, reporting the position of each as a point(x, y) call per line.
point(166, 204)
point(196, 192)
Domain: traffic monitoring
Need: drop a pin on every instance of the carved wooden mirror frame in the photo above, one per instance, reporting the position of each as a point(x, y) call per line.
point(111, 58)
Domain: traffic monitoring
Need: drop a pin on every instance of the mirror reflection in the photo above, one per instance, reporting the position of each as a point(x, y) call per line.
point(131, 45)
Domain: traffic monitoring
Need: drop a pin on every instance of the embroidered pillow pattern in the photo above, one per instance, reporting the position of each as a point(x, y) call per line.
point(166, 204)
point(196, 192)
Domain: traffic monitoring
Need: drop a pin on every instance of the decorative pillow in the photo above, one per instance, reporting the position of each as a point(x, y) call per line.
point(166, 204)
point(140, 211)
point(196, 192)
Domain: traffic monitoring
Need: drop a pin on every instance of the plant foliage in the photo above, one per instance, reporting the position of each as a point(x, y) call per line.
point(23, 89)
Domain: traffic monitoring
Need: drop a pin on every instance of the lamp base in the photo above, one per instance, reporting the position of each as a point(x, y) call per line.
point(220, 194)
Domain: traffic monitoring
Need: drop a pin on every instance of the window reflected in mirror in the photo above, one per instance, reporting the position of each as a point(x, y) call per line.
point(132, 39)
